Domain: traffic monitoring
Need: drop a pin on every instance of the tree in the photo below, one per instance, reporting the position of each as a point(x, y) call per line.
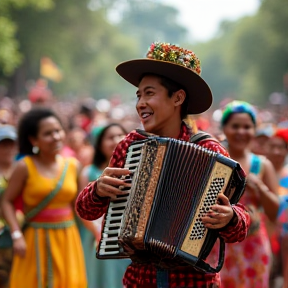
point(80, 41)
point(10, 56)
point(249, 57)
point(149, 21)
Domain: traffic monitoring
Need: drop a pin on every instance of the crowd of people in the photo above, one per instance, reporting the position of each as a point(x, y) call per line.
point(60, 164)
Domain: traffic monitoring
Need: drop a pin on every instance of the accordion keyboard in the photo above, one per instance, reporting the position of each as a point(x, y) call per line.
point(113, 219)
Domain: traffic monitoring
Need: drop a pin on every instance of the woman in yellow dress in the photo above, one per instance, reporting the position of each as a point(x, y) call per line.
point(49, 253)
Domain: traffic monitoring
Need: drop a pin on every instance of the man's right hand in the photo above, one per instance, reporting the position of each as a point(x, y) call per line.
point(110, 182)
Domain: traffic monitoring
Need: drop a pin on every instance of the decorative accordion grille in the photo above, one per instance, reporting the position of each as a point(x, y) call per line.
point(216, 186)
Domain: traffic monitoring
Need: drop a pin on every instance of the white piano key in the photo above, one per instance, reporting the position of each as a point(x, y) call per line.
point(103, 252)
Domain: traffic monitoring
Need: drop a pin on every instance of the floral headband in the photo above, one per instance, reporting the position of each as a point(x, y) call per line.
point(238, 107)
point(175, 54)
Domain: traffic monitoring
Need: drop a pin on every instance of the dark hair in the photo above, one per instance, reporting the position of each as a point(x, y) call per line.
point(28, 126)
point(172, 87)
point(99, 158)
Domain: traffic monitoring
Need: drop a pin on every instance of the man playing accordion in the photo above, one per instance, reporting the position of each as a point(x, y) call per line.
point(169, 88)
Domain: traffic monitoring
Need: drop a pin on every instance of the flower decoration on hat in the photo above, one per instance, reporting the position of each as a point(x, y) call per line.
point(175, 54)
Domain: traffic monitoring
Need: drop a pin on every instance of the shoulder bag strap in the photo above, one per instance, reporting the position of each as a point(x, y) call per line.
point(35, 210)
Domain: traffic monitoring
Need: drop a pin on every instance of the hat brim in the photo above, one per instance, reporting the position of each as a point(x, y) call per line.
point(8, 138)
point(197, 90)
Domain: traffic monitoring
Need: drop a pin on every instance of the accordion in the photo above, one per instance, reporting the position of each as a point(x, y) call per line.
point(174, 183)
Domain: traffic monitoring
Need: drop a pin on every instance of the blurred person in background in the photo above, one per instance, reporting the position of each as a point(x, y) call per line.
point(261, 138)
point(247, 264)
point(8, 151)
point(8, 111)
point(277, 151)
point(6, 117)
point(48, 253)
point(77, 141)
point(107, 273)
point(85, 114)
point(40, 94)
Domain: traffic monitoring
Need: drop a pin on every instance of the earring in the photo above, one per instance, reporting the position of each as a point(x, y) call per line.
point(35, 149)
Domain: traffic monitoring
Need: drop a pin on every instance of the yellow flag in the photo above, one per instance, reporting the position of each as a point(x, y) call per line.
point(50, 70)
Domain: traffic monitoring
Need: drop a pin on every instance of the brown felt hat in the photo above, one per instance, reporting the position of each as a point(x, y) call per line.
point(175, 63)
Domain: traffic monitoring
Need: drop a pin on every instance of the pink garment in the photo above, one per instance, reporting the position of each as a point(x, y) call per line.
point(54, 215)
point(247, 264)
point(68, 152)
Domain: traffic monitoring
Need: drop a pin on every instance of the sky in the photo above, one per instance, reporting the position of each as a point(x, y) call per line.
point(202, 17)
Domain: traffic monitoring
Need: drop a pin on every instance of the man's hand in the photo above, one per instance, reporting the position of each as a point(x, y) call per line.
point(219, 214)
point(111, 182)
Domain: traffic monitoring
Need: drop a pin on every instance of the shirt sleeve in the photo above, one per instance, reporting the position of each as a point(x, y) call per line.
point(238, 231)
point(88, 205)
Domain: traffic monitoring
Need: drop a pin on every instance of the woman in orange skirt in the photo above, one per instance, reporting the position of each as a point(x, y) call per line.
point(48, 253)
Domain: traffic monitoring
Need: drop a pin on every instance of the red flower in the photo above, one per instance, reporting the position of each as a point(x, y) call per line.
point(250, 272)
point(229, 282)
point(249, 250)
point(229, 262)
point(265, 259)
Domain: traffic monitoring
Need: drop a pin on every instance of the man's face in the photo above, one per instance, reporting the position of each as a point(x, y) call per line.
point(155, 108)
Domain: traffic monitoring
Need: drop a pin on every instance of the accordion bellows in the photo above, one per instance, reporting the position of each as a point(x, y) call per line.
point(174, 184)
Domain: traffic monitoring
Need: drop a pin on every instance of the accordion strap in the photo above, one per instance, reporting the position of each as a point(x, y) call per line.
point(200, 136)
point(202, 265)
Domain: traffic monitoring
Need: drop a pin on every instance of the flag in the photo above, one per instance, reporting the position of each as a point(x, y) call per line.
point(50, 70)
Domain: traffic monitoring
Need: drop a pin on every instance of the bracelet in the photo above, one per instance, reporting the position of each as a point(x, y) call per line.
point(16, 234)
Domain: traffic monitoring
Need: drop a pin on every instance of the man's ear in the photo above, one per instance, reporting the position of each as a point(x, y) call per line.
point(179, 97)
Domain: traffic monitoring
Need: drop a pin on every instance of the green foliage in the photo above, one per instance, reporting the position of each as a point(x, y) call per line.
point(10, 56)
point(149, 21)
point(246, 60)
point(80, 41)
point(250, 56)
point(215, 71)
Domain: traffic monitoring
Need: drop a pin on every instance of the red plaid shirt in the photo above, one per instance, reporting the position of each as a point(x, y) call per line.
point(138, 275)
